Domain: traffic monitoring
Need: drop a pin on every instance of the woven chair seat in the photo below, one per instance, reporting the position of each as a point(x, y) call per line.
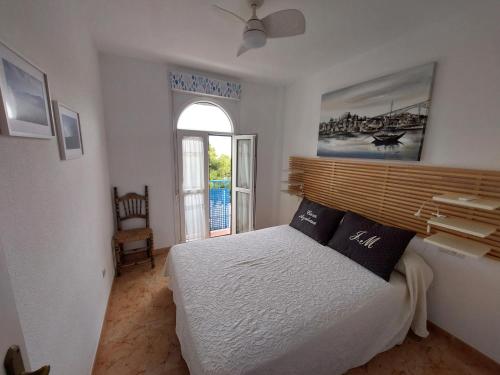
point(139, 234)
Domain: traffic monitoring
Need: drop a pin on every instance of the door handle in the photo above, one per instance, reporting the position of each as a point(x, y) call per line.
point(14, 364)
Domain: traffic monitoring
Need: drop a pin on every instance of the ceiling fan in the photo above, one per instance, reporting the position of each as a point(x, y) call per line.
point(280, 24)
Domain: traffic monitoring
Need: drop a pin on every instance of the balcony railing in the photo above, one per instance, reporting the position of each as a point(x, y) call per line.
point(220, 204)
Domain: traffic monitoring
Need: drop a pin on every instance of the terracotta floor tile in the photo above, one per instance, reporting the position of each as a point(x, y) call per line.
point(139, 338)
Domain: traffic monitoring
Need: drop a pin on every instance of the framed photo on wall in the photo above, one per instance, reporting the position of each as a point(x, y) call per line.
point(25, 109)
point(68, 131)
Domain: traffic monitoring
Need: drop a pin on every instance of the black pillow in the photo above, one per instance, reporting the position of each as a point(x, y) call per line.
point(316, 221)
point(375, 246)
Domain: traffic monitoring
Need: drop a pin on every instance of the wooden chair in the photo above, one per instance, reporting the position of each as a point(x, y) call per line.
point(132, 206)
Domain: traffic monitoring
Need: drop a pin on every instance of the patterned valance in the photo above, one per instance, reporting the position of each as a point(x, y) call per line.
point(203, 85)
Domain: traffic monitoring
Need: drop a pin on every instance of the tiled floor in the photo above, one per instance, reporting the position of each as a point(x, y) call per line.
point(220, 232)
point(139, 337)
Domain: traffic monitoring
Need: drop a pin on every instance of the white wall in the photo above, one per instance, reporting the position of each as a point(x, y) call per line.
point(463, 130)
point(10, 327)
point(55, 216)
point(261, 113)
point(138, 122)
point(139, 115)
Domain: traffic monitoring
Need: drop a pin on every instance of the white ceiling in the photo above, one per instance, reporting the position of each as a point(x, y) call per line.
point(191, 33)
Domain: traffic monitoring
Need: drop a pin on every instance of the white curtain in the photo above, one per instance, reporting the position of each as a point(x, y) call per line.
point(242, 212)
point(193, 184)
point(243, 158)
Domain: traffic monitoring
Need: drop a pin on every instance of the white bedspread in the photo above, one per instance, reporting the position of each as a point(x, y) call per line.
point(275, 301)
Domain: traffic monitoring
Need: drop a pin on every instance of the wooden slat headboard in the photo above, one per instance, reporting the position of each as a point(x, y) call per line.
point(391, 193)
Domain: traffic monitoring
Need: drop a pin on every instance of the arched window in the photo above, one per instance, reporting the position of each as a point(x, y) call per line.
point(205, 116)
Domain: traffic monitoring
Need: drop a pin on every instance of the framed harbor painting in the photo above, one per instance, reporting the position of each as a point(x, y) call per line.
point(24, 97)
point(384, 118)
point(68, 131)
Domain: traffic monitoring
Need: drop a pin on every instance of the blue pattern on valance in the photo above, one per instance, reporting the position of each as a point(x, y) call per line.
point(204, 85)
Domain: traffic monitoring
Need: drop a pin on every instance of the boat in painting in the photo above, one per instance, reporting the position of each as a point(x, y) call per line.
point(388, 137)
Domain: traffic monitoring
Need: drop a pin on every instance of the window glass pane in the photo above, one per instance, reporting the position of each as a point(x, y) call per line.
point(242, 212)
point(206, 117)
point(243, 163)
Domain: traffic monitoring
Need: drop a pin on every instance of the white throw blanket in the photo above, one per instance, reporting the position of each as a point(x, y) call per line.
point(275, 301)
point(418, 279)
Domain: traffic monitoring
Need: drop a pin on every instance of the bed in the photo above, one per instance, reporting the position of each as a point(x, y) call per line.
point(275, 301)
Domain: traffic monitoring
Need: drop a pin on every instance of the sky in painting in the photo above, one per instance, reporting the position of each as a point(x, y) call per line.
point(374, 97)
point(25, 100)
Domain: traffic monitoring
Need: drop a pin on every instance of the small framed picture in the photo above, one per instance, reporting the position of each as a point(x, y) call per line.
point(68, 131)
point(25, 109)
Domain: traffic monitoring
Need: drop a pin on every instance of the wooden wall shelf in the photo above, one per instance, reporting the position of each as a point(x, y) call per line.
point(291, 183)
point(480, 203)
point(391, 192)
point(295, 183)
point(465, 226)
point(293, 192)
point(294, 171)
point(458, 245)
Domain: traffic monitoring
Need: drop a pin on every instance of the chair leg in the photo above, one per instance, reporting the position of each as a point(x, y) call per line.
point(117, 258)
point(151, 247)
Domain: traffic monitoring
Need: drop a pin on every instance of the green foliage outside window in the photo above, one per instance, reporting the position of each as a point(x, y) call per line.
point(219, 165)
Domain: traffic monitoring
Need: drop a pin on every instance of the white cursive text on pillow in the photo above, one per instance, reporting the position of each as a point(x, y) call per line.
point(368, 242)
point(309, 218)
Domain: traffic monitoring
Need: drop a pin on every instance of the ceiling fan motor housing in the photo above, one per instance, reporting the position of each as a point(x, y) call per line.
point(254, 35)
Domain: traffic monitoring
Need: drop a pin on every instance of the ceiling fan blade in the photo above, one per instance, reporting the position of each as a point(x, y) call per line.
point(229, 12)
point(288, 22)
point(242, 50)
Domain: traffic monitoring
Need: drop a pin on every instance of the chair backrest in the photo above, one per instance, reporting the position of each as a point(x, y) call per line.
point(131, 206)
